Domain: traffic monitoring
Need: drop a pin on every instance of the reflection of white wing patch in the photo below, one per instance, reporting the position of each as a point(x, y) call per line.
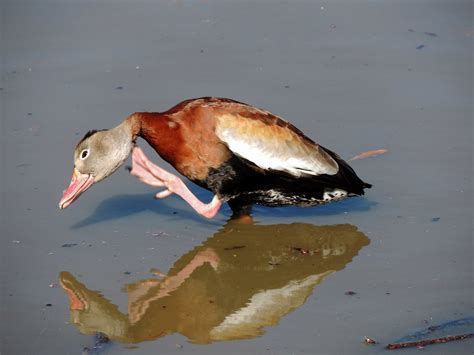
point(273, 147)
point(266, 308)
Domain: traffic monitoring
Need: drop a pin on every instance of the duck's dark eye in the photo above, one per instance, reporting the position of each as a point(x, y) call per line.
point(84, 154)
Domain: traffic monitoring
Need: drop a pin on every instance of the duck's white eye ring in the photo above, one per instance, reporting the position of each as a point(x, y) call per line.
point(84, 154)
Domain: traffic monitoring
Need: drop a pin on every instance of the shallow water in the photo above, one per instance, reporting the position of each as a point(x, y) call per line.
point(347, 73)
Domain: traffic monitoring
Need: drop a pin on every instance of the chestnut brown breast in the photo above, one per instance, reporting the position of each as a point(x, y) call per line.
point(185, 137)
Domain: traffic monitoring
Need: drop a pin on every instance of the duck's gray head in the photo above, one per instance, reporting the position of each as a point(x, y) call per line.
point(97, 155)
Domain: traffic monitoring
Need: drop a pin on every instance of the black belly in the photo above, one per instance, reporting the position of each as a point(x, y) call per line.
point(242, 184)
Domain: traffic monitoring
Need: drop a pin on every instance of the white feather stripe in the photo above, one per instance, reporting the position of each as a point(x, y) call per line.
point(273, 148)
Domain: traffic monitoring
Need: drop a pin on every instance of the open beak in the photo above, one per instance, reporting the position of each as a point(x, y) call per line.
point(79, 184)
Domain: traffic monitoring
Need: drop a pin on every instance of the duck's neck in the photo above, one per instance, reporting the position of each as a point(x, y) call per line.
point(159, 130)
point(130, 127)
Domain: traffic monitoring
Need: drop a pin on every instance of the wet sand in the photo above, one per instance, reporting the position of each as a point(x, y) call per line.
point(352, 75)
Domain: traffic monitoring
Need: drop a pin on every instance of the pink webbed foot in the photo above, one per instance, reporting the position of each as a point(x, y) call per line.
point(151, 174)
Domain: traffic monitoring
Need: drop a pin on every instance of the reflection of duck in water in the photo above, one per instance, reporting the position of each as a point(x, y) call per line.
point(243, 278)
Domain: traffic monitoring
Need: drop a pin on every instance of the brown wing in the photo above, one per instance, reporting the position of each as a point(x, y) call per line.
point(271, 143)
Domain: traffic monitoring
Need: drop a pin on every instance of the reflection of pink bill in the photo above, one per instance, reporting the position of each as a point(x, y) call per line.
point(369, 153)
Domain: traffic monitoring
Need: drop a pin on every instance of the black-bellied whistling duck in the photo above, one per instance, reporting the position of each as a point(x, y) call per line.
point(243, 154)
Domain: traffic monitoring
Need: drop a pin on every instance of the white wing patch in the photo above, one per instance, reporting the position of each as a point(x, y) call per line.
point(273, 147)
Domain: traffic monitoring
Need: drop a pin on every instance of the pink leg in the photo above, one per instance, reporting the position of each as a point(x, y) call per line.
point(153, 175)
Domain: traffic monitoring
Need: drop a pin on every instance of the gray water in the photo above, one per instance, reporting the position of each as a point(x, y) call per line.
point(353, 75)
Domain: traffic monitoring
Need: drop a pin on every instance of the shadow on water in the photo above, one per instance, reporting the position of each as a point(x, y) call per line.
point(240, 280)
point(356, 204)
point(121, 206)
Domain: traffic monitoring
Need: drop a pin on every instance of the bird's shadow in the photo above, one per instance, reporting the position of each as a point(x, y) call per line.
point(125, 205)
point(120, 206)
